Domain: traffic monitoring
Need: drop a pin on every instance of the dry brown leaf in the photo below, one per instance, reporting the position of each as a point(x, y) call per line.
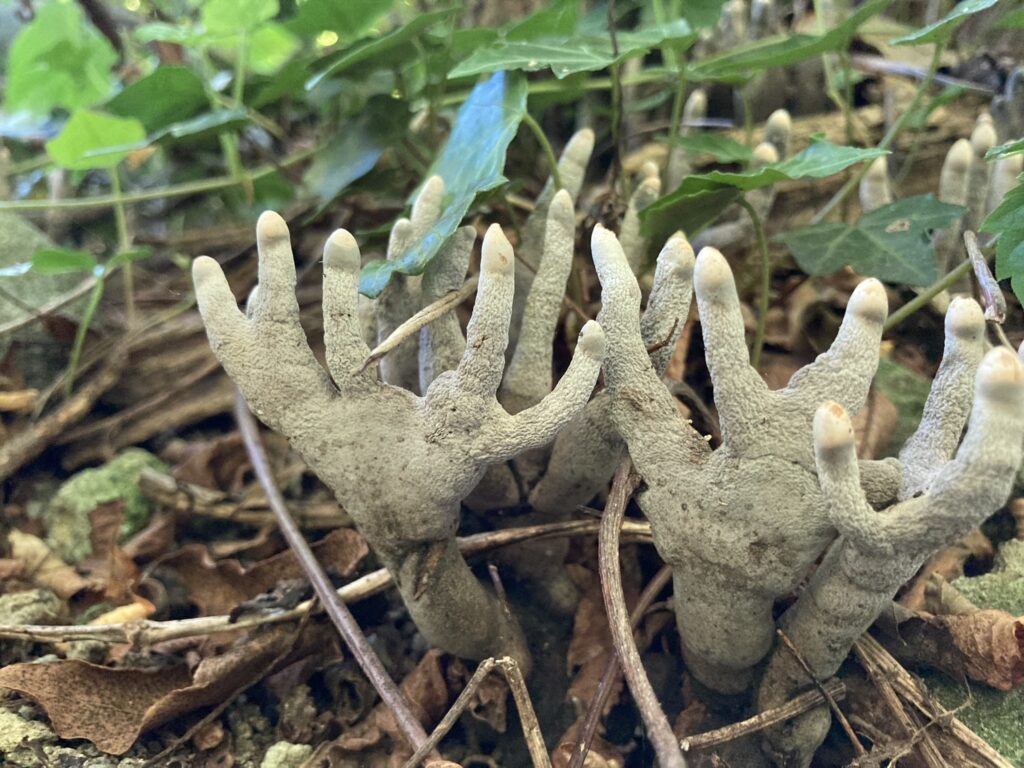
point(985, 645)
point(602, 754)
point(42, 567)
point(112, 707)
point(218, 586)
point(220, 463)
point(947, 563)
point(108, 566)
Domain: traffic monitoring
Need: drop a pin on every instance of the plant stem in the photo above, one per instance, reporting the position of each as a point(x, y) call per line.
point(124, 243)
point(545, 145)
point(926, 296)
point(616, 73)
point(676, 117)
point(766, 282)
point(887, 140)
point(83, 328)
point(175, 190)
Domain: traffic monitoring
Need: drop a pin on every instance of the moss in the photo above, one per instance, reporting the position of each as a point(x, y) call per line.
point(67, 516)
point(993, 715)
point(284, 754)
point(1003, 588)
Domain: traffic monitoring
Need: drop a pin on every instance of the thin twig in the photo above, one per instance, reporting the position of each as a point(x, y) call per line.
point(805, 702)
point(613, 669)
point(665, 341)
point(516, 683)
point(424, 317)
point(549, 154)
point(995, 302)
point(658, 728)
point(836, 711)
point(336, 610)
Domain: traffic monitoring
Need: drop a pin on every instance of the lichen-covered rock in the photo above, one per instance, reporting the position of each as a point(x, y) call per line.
point(67, 515)
point(20, 737)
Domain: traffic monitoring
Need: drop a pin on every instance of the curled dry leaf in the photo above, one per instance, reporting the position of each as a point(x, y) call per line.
point(602, 753)
point(112, 707)
point(218, 586)
point(42, 567)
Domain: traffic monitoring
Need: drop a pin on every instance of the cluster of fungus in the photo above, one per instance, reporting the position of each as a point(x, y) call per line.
point(475, 420)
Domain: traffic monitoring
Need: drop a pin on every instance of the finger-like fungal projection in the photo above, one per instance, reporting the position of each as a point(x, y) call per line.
point(874, 187)
point(946, 491)
point(399, 463)
point(739, 525)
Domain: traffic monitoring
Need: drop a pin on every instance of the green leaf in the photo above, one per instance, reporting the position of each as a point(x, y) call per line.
point(702, 13)
point(1010, 260)
point(350, 19)
point(200, 127)
point(690, 213)
point(1005, 150)
point(471, 162)
point(783, 51)
point(370, 50)
point(891, 243)
point(269, 48)
point(944, 27)
point(53, 261)
point(94, 140)
point(1010, 212)
point(566, 56)
point(353, 152)
point(558, 19)
point(1011, 20)
point(722, 148)
point(167, 95)
point(229, 17)
point(58, 60)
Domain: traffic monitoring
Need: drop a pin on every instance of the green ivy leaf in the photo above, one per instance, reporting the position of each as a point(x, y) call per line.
point(702, 13)
point(377, 48)
point(58, 60)
point(350, 19)
point(167, 95)
point(944, 27)
point(53, 261)
point(94, 140)
point(352, 153)
point(700, 199)
point(1005, 150)
point(566, 56)
point(558, 19)
point(471, 162)
point(891, 243)
point(780, 52)
point(1009, 215)
point(229, 17)
point(722, 148)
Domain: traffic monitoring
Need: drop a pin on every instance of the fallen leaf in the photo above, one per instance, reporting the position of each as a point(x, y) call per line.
point(220, 463)
point(108, 566)
point(218, 586)
point(42, 567)
point(140, 608)
point(602, 754)
point(112, 707)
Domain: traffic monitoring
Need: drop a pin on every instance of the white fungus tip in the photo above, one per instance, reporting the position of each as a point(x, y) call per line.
point(779, 121)
point(959, 155)
point(591, 340)
point(496, 253)
point(341, 251)
point(581, 144)
point(678, 255)
point(561, 203)
point(1001, 376)
point(649, 188)
point(983, 138)
point(205, 269)
point(607, 251)
point(711, 272)
point(832, 427)
point(764, 154)
point(869, 301)
point(879, 169)
point(271, 226)
point(964, 318)
point(649, 170)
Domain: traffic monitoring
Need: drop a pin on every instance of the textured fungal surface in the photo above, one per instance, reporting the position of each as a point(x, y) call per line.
point(739, 525)
point(399, 463)
point(944, 492)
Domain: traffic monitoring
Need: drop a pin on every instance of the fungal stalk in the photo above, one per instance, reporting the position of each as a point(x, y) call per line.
point(399, 463)
point(739, 525)
point(941, 497)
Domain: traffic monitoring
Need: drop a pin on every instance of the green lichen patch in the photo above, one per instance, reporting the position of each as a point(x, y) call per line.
point(67, 516)
point(993, 715)
point(1003, 587)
